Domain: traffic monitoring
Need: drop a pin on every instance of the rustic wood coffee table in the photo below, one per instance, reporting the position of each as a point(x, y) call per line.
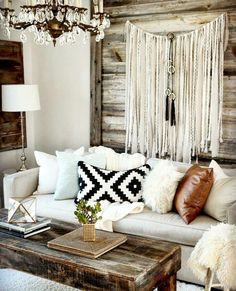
point(138, 264)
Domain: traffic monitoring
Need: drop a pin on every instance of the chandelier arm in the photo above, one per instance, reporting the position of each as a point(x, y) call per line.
point(20, 26)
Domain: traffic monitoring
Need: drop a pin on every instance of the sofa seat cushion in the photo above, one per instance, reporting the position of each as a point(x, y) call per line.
point(169, 226)
point(57, 209)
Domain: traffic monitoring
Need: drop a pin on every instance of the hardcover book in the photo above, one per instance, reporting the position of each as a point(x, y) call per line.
point(21, 234)
point(24, 227)
point(73, 243)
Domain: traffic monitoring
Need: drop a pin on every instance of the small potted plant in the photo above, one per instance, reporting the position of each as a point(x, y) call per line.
point(88, 215)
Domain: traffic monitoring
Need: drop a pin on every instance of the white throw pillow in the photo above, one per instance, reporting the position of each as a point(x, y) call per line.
point(218, 172)
point(221, 197)
point(67, 185)
point(48, 172)
point(160, 186)
point(119, 162)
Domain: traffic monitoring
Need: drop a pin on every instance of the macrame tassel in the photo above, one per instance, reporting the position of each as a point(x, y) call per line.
point(172, 121)
point(167, 107)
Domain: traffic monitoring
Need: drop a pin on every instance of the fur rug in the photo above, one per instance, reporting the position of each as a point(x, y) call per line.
point(11, 280)
point(216, 250)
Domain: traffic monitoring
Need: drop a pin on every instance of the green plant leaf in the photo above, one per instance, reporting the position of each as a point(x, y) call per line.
point(87, 214)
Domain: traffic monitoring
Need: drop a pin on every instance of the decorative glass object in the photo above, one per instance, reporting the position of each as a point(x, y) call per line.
point(22, 210)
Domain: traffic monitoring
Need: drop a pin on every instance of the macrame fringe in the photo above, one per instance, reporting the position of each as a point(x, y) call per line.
point(192, 122)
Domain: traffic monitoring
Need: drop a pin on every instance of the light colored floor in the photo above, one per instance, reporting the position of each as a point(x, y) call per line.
point(11, 280)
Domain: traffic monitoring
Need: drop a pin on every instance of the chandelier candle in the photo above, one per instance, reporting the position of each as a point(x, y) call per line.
point(52, 20)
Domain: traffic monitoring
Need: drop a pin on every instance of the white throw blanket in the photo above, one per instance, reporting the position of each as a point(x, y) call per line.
point(216, 250)
point(116, 211)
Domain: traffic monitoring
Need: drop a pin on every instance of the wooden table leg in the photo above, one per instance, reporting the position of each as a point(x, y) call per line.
point(169, 284)
point(209, 279)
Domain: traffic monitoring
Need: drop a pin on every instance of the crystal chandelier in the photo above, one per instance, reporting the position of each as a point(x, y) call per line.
point(55, 20)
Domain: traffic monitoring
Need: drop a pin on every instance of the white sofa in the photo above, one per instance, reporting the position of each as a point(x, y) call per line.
point(169, 227)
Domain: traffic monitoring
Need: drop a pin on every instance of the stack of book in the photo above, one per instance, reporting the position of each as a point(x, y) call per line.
point(25, 229)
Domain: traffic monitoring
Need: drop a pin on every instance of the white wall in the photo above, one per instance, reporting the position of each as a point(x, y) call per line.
point(63, 76)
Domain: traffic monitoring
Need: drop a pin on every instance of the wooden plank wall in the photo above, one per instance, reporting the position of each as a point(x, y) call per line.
point(11, 72)
point(158, 17)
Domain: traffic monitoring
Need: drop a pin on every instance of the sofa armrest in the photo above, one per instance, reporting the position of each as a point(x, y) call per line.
point(231, 214)
point(20, 184)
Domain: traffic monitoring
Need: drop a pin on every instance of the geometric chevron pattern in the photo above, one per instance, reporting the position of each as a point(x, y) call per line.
point(97, 184)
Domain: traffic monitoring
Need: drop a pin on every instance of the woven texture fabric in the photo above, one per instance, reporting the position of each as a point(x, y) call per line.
point(96, 184)
point(197, 84)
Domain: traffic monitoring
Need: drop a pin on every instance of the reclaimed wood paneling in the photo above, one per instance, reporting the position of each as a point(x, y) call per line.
point(11, 72)
point(160, 17)
point(95, 94)
point(148, 7)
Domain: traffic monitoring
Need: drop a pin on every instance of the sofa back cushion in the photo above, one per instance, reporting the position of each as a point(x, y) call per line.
point(97, 184)
point(192, 192)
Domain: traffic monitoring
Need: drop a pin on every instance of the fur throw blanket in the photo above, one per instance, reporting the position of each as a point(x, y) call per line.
point(216, 250)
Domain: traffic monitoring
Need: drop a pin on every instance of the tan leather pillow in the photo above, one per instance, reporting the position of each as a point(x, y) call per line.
point(192, 192)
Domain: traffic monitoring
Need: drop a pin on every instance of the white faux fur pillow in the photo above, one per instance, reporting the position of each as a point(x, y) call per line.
point(160, 186)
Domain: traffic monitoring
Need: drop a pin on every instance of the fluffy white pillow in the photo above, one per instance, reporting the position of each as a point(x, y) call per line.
point(48, 172)
point(160, 186)
point(218, 173)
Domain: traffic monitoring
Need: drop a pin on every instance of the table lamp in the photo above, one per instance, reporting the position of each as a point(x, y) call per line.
point(20, 98)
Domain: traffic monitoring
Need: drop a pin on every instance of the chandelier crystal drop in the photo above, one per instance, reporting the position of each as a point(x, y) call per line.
point(57, 21)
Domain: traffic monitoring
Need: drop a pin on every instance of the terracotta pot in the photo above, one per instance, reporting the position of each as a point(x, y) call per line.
point(89, 233)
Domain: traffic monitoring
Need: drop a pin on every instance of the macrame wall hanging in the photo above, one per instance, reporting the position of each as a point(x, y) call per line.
point(174, 91)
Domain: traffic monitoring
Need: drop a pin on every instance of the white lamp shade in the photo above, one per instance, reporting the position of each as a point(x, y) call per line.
point(19, 98)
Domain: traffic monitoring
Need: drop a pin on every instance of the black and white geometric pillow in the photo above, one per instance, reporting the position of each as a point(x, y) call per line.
point(97, 184)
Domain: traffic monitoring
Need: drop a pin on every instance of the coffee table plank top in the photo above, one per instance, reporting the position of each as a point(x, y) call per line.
point(138, 264)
